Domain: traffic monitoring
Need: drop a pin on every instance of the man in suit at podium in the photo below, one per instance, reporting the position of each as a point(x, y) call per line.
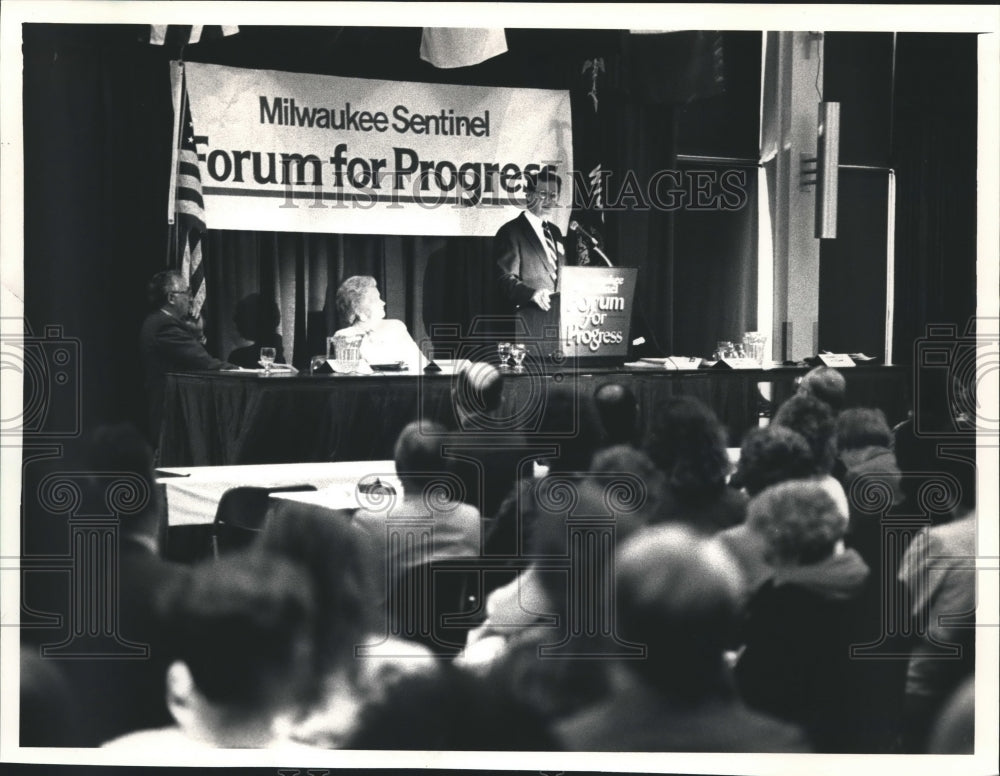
point(529, 254)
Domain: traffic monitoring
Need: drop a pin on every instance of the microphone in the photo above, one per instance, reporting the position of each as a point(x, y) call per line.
point(575, 226)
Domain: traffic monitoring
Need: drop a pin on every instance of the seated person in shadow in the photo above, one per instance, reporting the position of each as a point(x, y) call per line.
point(242, 669)
point(802, 622)
point(619, 413)
point(678, 595)
point(257, 320)
point(356, 659)
point(119, 692)
point(687, 442)
point(361, 311)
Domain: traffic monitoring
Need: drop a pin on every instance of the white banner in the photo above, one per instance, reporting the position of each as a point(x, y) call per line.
point(293, 152)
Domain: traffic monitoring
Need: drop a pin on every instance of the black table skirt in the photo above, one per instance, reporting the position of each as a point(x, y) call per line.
point(213, 418)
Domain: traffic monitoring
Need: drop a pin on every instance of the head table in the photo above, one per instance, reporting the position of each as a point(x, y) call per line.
point(229, 418)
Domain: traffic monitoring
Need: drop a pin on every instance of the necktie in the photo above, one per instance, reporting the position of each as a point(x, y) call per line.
point(551, 253)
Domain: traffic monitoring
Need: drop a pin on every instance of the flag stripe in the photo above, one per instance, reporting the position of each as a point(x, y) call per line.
point(190, 208)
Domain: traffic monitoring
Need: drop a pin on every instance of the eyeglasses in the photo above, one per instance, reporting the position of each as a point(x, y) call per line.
point(181, 291)
point(547, 196)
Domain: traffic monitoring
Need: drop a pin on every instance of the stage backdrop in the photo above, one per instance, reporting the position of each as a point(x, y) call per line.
point(292, 152)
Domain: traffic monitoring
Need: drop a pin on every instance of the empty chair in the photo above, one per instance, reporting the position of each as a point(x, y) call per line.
point(241, 514)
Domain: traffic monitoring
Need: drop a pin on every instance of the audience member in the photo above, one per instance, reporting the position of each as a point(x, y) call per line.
point(355, 661)
point(120, 691)
point(688, 444)
point(803, 621)
point(954, 731)
point(243, 669)
point(619, 414)
point(50, 713)
point(826, 384)
point(565, 438)
point(864, 444)
point(768, 456)
point(771, 455)
point(678, 596)
point(938, 416)
point(411, 532)
point(813, 419)
point(257, 321)
point(430, 491)
point(361, 310)
point(544, 606)
point(167, 344)
point(484, 450)
point(451, 711)
point(941, 584)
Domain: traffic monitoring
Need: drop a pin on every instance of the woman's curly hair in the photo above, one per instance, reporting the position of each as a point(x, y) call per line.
point(349, 297)
point(688, 444)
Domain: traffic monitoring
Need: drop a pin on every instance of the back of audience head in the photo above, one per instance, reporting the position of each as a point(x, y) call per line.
point(862, 427)
point(679, 595)
point(555, 502)
point(418, 456)
point(813, 419)
point(771, 455)
point(630, 470)
point(619, 412)
point(826, 384)
point(800, 520)
point(120, 451)
point(688, 443)
point(476, 392)
point(569, 421)
point(242, 638)
point(339, 559)
point(451, 710)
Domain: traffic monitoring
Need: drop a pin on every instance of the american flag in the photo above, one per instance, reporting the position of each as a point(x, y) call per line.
point(189, 207)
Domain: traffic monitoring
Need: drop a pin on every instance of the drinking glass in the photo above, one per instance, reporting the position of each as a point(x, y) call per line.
point(723, 349)
point(518, 353)
point(504, 351)
point(267, 356)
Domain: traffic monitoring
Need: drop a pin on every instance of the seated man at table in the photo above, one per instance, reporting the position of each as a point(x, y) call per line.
point(167, 343)
point(361, 310)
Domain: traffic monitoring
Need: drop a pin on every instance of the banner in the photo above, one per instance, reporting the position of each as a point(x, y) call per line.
point(293, 152)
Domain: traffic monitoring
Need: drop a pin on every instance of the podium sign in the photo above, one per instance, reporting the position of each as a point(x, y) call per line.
point(595, 312)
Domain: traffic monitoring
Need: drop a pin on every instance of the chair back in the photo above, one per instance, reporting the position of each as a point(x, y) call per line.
point(436, 603)
point(242, 513)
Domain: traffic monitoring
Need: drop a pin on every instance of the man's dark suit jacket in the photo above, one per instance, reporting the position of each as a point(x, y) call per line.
point(521, 261)
point(167, 345)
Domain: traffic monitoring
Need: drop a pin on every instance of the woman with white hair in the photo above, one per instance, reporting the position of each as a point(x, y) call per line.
point(361, 310)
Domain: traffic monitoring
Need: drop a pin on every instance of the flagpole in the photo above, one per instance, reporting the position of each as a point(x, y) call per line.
point(177, 97)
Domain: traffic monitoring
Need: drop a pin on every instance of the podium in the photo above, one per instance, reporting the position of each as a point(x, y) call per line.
point(589, 321)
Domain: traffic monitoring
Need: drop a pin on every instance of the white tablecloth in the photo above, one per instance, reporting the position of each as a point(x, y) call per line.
point(193, 493)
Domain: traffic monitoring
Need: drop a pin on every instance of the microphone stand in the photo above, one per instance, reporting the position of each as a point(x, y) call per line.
point(640, 312)
point(602, 254)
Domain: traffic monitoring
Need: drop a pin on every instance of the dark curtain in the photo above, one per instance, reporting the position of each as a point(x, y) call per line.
point(934, 155)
